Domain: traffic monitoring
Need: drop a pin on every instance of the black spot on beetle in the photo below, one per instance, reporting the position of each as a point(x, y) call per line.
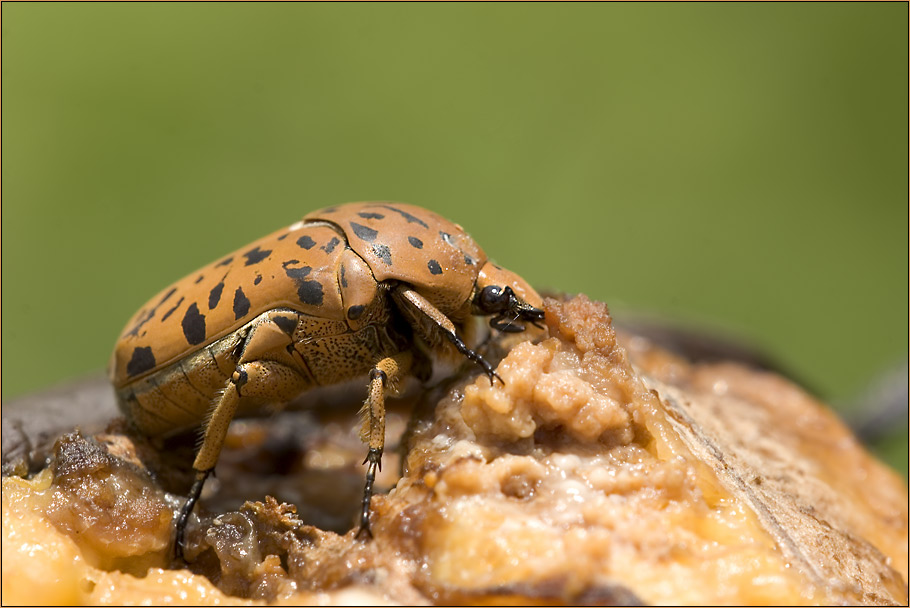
point(384, 254)
point(142, 361)
point(225, 262)
point(363, 232)
point(282, 237)
point(354, 312)
point(193, 325)
point(342, 278)
point(306, 241)
point(370, 216)
point(330, 246)
point(255, 255)
point(241, 304)
point(308, 291)
point(415, 242)
point(147, 316)
point(447, 238)
point(434, 267)
point(171, 311)
point(469, 260)
point(166, 296)
point(411, 219)
point(295, 273)
point(215, 295)
point(287, 324)
point(199, 279)
point(257, 280)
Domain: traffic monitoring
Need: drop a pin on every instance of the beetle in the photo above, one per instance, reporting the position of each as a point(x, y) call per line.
point(372, 289)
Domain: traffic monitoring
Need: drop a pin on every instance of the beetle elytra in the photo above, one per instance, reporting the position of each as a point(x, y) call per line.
point(359, 290)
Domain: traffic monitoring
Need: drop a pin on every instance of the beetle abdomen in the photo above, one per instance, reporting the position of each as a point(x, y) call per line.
point(180, 395)
point(325, 352)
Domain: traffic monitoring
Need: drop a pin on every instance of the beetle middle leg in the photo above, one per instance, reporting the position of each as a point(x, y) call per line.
point(384, 375)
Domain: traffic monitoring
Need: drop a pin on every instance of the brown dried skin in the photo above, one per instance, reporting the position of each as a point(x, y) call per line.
point(249, 546)
point(117, 515)
point(581, 480)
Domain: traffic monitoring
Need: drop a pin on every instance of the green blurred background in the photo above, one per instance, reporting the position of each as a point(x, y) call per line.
point(740, 167)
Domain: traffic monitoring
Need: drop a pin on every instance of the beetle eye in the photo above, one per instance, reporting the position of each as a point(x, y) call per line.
point(508, 308)
point(493, 299)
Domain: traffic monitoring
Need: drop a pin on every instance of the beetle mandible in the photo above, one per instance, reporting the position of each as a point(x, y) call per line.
point(369, 289)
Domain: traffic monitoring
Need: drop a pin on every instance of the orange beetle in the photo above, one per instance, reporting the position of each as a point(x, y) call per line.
point(363, 289)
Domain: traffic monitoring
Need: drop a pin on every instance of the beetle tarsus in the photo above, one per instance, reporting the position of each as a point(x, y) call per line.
point(184, 515)
point(374, 457)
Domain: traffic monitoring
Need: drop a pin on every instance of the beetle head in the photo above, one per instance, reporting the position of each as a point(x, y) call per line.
point(508, 297)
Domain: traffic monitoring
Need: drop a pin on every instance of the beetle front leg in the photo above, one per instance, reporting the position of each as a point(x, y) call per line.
point(416, 304)
point(267, 381)
point(384, 375)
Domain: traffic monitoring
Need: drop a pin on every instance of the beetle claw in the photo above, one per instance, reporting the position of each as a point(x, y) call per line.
point(378, 463)
point(364, 529)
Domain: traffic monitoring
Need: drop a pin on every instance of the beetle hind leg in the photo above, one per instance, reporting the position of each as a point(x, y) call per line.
point(384, 376)
point(264, 381)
